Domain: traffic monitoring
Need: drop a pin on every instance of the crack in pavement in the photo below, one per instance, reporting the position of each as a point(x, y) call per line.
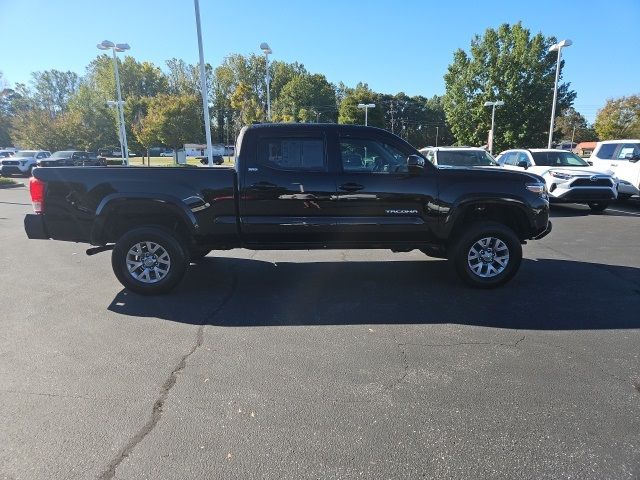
point(156, 412)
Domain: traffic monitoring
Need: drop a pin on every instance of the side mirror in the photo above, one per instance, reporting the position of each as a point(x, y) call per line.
point(590, 162)
point(415, 164)
point(523, 164)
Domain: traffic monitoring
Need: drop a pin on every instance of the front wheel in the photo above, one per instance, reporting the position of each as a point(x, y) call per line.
point(149, 260)
point(598, 206)
point(486, 255)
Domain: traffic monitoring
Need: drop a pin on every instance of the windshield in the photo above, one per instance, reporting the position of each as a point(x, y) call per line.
point(558, 158)
point(63, 154)
point(465, 158)
point(25, 154)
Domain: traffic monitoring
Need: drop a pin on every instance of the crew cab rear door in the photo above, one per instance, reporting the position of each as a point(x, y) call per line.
point(378, 200)
point(288, 188)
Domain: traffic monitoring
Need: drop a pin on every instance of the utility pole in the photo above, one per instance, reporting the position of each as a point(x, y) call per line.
point(437, 131)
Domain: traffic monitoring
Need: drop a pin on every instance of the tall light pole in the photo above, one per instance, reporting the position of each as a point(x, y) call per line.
point(118, 47)
point(437, 132)
point(113, 103)
point(366, 107)
point(203, 88)
point(556, 48)
point(264, 46)
point(493, 106)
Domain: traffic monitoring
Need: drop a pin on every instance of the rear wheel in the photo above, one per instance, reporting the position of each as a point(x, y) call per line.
point(149, 260)
point(486, 255)
point(598, 206)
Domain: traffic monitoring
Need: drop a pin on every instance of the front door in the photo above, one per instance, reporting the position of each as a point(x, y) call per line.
point(627, 168)
point(378, 200)
point(288, 191)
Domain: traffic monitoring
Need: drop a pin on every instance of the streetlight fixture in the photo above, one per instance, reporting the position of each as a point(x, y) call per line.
point(366, 107)
point(203, 88)
point(118, 47)
point(266, 49)
point(557, 47)
point(493, 106)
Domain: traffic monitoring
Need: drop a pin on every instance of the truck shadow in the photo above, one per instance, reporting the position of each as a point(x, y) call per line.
point(547, 294)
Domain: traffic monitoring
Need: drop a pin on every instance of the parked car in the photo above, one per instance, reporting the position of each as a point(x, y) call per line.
point(622, 158)
point(72, 158)
point(217, 160)
point(294, 186)
point(458, 157)
point(22, 162)
point(167, 153)
point(569, 178)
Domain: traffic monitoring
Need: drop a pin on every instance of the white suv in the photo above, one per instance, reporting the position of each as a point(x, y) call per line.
point(22, 162)
point(458, 156)
point(569, 178)
point(622, 157)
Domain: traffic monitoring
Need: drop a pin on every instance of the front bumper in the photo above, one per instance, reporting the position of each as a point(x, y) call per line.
point(544, 233)
point(35, 228)
point(12, 170)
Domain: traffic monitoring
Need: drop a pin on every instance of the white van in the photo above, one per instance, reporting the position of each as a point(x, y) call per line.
point(622, 157)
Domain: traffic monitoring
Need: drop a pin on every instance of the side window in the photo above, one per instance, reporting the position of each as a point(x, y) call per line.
point(522, 157)
point(431, 156)
point(628, 148)
point(307, 154)
point(40, 155)
point(371, 156)
point(606, 151)
point(509, 158)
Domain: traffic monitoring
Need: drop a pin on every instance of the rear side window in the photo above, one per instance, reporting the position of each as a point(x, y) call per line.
point(306, 154)
point(628, 148)
point(606, 151)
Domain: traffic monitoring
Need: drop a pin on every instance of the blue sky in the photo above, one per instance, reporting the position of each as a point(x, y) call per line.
point(392, 45)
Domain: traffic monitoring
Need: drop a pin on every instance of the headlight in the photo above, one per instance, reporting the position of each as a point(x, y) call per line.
point(538, 188)
point(560, 175)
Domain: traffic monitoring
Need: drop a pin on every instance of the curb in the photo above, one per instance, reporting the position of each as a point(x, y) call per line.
point(14, 185)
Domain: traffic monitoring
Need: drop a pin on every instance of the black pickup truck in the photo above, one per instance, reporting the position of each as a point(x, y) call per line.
point(294, 186)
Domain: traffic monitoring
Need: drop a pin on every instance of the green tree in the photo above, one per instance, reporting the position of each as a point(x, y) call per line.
point(52, 90)
point(172, 120)
point(619, 118)
point(137, 79)
point(350, 113)
point(90, 122)
point(506, 64)
point(246, 102)
point(569, 120)
point(306, 98)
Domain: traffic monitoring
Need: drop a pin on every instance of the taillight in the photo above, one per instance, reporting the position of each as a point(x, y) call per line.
point(36, 187)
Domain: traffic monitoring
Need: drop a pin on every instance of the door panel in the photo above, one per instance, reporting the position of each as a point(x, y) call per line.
point(377, 198)
point(288, 191)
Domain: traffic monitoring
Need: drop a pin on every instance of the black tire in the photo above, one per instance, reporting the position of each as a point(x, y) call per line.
point(459, 254)
point(29, 172)
point(598, 206)
point(623, 197)
point(170, 243)
point(196, 253)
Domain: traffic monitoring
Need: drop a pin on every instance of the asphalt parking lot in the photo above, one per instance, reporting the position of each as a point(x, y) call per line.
point(331, 364)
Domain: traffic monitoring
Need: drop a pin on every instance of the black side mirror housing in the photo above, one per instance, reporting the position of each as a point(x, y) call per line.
point(523, 164)
point(590, 162)
point(415, 164)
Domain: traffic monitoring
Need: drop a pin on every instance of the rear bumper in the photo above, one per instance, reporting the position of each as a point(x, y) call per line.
point(34, 226)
